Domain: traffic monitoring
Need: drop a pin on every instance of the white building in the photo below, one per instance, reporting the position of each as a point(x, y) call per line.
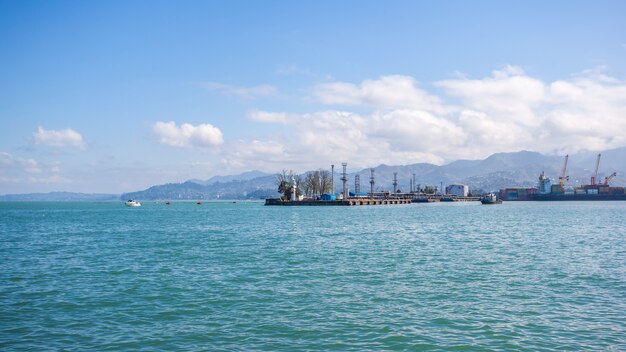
point(457, 190)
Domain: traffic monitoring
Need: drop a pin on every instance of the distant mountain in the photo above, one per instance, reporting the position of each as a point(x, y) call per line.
point(59, 197)
point(610, 161)
point(501, 170)
point(249, 175)
point(256, 188)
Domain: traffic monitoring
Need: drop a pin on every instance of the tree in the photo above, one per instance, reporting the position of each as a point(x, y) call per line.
point(311, 183)
point(429, 190)
point(326, 182)
point(317, 183)
point(283, 181)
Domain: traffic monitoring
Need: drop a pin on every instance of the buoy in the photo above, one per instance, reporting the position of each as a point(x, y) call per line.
point(168, 203)
point(199, 203)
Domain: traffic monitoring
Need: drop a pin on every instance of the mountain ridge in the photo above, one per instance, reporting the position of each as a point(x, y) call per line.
point(499, 170)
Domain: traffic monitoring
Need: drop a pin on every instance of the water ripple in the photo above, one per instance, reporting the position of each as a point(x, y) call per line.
point(240, 277)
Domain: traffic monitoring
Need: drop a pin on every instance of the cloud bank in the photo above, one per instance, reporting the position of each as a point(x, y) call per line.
point(472, 118)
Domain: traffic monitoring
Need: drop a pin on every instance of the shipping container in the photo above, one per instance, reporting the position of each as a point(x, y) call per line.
point(556, 189)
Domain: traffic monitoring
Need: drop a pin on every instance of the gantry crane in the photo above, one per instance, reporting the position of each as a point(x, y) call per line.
point(594, 177)
point(563, 177)
point(608, 178)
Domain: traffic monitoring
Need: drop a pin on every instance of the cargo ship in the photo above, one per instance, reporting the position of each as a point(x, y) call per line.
point(546, 191)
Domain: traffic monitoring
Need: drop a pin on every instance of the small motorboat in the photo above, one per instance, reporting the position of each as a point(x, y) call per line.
point(167, 203)
point(199, 203)
point(490, 198)
point(132, 203)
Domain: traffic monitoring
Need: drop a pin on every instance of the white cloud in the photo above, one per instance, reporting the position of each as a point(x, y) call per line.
point(508, 95)
point(59, 138)
point(333, 136)
point(188, 135)
point(269, 117)
point(413, 130)
point(9, 163)
point(259, 91)
point(513, 111)
point(473, 118)
point(262, 154)
point(16, 172)
point(52, 179)
point(388, 92)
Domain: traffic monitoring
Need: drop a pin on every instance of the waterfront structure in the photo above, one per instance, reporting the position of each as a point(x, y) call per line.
point(457, 190)
point(344, 179)
point(294, 185)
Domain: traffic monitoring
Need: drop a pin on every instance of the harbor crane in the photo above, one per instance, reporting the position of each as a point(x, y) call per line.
point(609, 178)
point(594, 177)
point(563, 177)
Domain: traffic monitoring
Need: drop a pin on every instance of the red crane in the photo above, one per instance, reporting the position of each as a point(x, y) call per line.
point(595, 173)
point(608, 178)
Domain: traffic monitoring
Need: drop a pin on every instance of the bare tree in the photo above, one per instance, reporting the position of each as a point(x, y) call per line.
point(283, 181)
point(307, 185)
point(317, 183)
point(326, 183)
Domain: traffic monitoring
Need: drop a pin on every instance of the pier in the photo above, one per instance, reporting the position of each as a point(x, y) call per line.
point(369, 201)
point(347, 202)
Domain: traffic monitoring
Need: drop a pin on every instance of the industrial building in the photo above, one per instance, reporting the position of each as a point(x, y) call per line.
point(457, 190)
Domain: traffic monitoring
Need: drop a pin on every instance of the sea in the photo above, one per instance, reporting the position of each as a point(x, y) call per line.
point(241, 276)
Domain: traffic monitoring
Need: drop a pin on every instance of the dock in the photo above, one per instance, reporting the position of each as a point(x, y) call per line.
point(346, 202)
point(369, 201)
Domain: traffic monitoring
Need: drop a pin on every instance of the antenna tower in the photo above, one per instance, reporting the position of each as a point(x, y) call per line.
point(344, 178)
point(372, 182)
point(332, 179)
point(395, 184)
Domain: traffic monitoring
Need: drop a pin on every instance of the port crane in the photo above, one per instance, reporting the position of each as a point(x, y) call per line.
point(595, 173)
point(563, 177)
point(609, 178)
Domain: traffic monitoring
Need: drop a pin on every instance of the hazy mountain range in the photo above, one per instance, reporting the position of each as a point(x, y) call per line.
point(519, 169)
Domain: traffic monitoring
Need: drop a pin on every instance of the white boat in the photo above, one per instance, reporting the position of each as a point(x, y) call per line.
point(490, 199)
point(133, 203)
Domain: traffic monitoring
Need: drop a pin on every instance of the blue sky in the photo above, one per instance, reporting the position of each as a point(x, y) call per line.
point(114, 96)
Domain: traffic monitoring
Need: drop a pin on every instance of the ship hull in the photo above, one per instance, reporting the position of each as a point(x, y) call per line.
point(575, 197)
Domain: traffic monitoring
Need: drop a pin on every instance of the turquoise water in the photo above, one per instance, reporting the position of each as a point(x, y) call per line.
point(242, 276)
